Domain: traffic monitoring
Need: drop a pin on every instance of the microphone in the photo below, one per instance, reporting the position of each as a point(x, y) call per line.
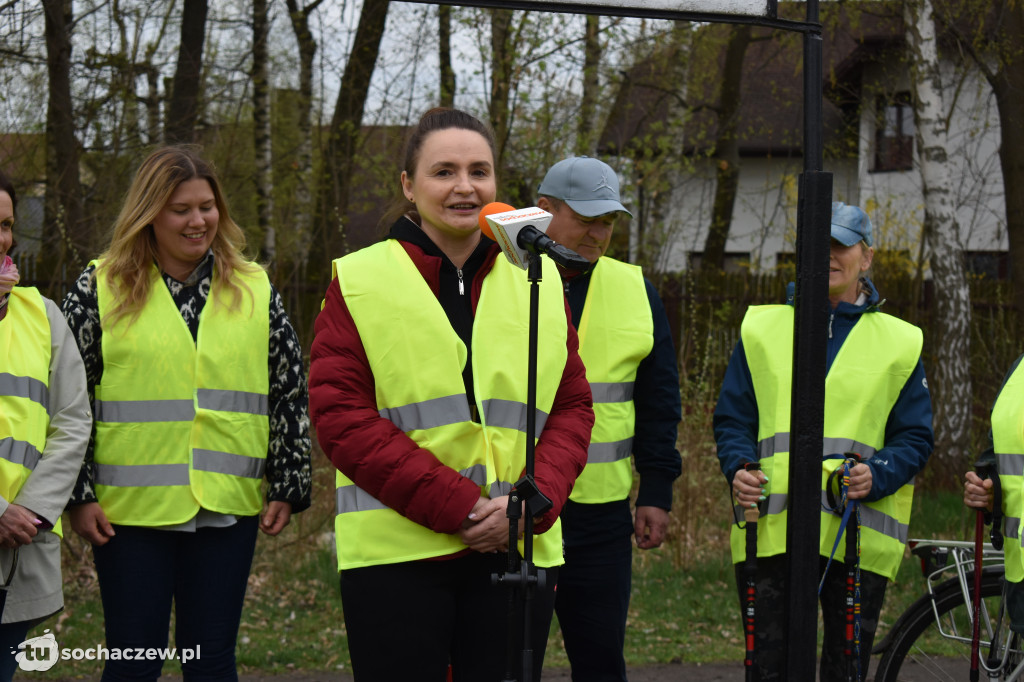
point(520, 234)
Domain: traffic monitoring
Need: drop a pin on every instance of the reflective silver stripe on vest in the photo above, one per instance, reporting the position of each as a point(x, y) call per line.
point(227, 463)
point(19, 452)
point(883, 523)
point(604, 453)
point(1010, 465)
point(1011, 527)
point(829, 446)
point(476, 473)
point(352, 498)
point(144, 411)
point(869, 517)
point(232, 401)
point(139, 475)
point(499, 488)
point(25, 387)
point(451, 409)
point(620, 392)
point(511, 415)
point(772, 444)
point(876, 521)
point(841, 446)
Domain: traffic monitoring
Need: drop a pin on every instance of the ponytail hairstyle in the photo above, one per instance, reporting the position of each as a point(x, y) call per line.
point(438, 118)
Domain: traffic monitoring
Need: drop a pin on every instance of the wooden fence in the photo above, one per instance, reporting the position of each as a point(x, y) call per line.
point(718, 303)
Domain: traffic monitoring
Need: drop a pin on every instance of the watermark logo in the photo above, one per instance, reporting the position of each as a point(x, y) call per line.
point(38, 653)
point(42, 653)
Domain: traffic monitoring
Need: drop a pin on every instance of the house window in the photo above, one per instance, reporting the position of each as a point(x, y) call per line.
point(894, 133)
point(989, 264)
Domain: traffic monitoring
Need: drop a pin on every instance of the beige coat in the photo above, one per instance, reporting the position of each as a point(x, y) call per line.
point(36, 591)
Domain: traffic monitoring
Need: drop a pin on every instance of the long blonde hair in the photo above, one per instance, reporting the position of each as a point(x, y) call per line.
point(132, 250)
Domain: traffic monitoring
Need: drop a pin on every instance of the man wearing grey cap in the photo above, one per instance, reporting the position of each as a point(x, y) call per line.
point(877, 428)
point(626, 345)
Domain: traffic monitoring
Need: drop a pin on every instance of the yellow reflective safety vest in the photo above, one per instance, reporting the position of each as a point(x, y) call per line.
point(24, 389)
point(417, 361)
point(182, 424)
point(861, 388)
point(616, 333)
point(1008, 443)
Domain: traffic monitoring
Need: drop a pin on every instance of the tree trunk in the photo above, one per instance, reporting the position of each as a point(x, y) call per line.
point(951, 379)
point(588, 130)
point(501, 78)
point(67, 242)
point(263, 176)
point(1008, 87)
point(727, 154)
point(303, 217)
point(444, 32)
point(183, 110)
point(343, 136)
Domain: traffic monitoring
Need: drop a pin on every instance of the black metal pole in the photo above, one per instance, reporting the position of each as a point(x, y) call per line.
point(525, 501)
point(534, 274)
point(807, 412)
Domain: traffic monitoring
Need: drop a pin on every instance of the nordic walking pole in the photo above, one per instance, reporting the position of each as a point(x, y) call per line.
point(983, 470)
point(852, 560)
point(750, 515)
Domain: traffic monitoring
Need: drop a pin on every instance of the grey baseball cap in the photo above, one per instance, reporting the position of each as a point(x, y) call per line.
point(850, 224)
point(590, 186)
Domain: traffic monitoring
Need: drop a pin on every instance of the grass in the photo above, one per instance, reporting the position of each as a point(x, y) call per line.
point(684, 605)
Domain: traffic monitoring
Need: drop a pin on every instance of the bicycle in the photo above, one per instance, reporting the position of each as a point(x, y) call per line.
point(932, 638)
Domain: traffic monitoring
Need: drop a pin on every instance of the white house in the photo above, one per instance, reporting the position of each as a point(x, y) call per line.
point(868, 130)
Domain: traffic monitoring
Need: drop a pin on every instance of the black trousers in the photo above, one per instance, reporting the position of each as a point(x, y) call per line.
point(409, 621)
point(592, 602)
point(769, 628)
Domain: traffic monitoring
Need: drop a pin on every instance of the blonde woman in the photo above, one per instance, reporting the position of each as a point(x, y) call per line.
point(199, 394)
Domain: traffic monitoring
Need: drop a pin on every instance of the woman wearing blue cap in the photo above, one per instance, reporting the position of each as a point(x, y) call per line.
point(877, 429)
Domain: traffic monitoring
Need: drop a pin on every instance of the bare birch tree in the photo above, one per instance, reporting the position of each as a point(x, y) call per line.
point(951, 378)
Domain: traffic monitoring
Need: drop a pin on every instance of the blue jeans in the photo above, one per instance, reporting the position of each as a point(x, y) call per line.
point(142, 570)
point(11, 635)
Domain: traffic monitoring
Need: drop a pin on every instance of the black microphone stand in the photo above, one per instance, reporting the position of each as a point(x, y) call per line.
point(521, 576)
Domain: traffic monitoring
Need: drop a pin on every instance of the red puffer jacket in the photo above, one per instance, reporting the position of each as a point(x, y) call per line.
point(385, 462)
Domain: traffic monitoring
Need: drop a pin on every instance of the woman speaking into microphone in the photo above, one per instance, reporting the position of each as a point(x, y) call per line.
point(418, 394)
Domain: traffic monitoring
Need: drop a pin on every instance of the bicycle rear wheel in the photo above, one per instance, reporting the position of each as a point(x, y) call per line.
point(917, 649)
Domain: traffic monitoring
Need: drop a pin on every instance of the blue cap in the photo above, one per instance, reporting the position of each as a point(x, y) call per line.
point(588, 185)
point(850, 224)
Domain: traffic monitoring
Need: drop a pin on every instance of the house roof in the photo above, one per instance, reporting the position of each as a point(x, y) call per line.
point(771, 108)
